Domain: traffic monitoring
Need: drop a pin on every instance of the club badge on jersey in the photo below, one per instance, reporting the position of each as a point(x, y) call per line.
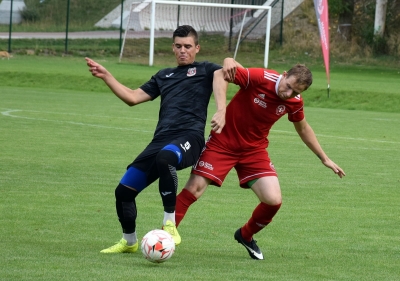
point(191, 71)
point(280, 110)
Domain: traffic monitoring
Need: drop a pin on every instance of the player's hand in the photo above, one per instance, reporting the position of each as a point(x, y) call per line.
point(96, 69)
point(229, 69)
point(335, 168)
point(218, 121)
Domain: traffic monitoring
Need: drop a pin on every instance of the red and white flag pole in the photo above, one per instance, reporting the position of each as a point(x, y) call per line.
point(321, 10)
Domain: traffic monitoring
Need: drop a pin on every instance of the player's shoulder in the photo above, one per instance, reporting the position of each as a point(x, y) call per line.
point(269, 73)
point(260, 75)
point(261, 71)
point(269, 70)
point(208, 65)
point(297, 100)
point(205, 62)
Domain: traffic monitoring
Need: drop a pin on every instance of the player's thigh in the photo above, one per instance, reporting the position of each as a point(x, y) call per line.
point(253, 165)
point(215, 163)
point(190, 146)
point(268, 190)
point(143, 170)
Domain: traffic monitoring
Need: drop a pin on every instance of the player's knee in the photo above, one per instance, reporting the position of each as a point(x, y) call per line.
point(167, 157)
point(273, 200)
point(272, 197)
point(191, 188)
point(125, 194)
point(197, 185)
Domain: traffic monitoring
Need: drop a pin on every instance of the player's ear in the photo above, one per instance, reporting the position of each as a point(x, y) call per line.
point(173, 45)
point(197, 48)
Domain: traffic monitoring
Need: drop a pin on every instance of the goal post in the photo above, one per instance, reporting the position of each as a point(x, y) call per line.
point(153, 16)
point(160, 16)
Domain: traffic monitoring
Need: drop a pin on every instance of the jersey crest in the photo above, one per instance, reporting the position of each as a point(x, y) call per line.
point(191, 71)
point(280, 110)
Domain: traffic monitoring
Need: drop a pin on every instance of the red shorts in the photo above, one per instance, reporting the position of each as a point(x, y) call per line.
point(216, 162)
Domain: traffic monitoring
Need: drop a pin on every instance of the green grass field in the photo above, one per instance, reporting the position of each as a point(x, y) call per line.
point(65, 141)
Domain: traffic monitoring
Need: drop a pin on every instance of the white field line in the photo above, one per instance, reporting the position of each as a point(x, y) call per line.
point(338, 137)
point(9, 112)
point(385, 119)
point(73, 114)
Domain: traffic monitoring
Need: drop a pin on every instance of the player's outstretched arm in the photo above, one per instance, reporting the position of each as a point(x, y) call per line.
point(307, 135)
point(127, 95)
point(220, 87)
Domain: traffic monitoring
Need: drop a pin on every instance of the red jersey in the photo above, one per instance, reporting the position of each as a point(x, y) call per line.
point(254, 109)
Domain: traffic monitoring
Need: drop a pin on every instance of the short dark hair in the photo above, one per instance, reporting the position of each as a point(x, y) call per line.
point(303, 75)
point(186, 31)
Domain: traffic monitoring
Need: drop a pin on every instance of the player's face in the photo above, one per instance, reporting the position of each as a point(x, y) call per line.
point(185, 50)
point(288, 88)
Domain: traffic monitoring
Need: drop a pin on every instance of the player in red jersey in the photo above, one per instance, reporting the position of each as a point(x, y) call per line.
point(264, 97)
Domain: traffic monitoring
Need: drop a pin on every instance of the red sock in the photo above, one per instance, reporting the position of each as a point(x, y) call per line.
point(183, 202)
point(261, 217)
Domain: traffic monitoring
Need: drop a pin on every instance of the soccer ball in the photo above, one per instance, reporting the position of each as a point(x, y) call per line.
point(157, 246)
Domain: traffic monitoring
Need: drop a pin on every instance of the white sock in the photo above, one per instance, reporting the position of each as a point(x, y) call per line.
point(169, 217)
point(130, 238)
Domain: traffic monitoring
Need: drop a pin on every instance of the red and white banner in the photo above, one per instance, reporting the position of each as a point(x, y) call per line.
point(321, 9)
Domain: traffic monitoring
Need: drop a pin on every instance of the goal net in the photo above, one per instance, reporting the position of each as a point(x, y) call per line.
point(230, 26)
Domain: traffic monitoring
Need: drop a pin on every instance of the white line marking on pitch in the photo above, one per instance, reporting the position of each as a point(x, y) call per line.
point(77, 114)
point(8, 113)
point(338, 137)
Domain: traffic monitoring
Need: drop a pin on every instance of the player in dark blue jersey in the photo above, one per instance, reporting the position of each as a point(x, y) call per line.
point(185, 92)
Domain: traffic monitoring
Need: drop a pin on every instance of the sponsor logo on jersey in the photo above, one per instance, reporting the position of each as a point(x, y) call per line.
point(186, 146)
point(261, 103)
point(169, 75)
point(261, 96)
point(191, 71)
point(280, 110)
point(206, 165)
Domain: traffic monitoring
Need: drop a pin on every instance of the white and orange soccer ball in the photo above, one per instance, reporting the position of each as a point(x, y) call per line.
point(157, 246)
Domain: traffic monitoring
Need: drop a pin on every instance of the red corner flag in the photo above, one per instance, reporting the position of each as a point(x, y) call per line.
point(321, 9)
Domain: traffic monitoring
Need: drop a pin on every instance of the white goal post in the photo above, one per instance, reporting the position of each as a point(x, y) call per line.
point(152, 3)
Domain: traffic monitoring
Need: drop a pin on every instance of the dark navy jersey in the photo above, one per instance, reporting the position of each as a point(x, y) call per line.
point(185, 93)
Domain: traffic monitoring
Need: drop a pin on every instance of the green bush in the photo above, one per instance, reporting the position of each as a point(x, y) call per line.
point(30, 14)
point(380, 46)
